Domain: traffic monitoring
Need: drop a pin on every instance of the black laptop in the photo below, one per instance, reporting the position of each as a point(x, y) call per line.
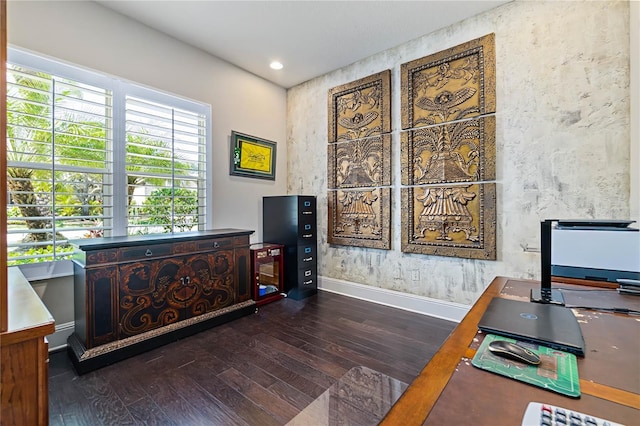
point(544, 324)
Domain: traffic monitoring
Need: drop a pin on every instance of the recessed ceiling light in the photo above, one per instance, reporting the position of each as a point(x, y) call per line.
point(276, 65)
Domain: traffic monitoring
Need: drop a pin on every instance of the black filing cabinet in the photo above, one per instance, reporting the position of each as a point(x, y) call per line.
point(290, 220)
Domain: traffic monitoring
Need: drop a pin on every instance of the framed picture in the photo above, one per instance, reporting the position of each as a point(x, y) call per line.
point(252, 157)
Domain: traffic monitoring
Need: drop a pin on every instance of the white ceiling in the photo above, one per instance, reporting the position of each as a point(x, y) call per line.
point(310, 38)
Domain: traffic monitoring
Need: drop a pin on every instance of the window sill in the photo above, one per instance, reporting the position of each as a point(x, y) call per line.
point(46, 270)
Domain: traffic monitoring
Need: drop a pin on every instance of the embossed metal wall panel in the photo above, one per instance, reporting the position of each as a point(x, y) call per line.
point(448, 101)
point(360, 217)
point(359, 156)
point(449, 85)
point(450, 220)
point(361, 108)
point(360, 163)
point(463, 151)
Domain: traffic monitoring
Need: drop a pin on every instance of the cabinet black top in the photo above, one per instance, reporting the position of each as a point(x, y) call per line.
point(88, 244)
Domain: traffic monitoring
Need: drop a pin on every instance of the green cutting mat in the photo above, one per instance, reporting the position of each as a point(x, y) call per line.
point(557, 371)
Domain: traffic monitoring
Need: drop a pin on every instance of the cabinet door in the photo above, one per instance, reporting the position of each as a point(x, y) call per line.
point(211, 278)
point(243, 274)
point(102, 320)
point(150, 295)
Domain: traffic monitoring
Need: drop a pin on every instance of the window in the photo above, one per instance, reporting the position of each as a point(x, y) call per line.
point(165, 166)
point(89, 156)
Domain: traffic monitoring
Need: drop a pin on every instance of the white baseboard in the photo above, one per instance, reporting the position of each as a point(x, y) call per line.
point(58, 340)
point(409, 302)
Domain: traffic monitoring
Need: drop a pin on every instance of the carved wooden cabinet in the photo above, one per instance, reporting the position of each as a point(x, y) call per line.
point(135, 293)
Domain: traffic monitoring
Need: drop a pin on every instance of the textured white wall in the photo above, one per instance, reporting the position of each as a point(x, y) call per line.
point(634, 22)
point(562, 140)
point(89, 35)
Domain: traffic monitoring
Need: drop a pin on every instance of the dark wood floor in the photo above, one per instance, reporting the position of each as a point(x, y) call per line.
point(262, 369)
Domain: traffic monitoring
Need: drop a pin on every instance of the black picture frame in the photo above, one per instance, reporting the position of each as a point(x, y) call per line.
point(252, 157)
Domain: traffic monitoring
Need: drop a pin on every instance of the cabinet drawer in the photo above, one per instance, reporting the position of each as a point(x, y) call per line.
point(100, 257)
point(307, 278)
point(306, 237)
point(215, 244)
point(307, 206)
point(144, 252)
point(241, 241)
point(185, 247)
point(307, 272)
point(306, 254)
point(307, 227)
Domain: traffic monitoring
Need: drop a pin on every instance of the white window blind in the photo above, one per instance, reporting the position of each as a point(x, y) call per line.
point(165, 167)
point(58, 163)
point(89, 155)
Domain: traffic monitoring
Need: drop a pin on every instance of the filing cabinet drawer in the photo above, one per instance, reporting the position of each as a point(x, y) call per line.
point(307, 278)
point(307, 273)
point(307, 206)
point(307, 227)
point(306, 254)
point(307, 237)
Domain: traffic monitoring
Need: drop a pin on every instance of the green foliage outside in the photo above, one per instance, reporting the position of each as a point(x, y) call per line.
point(156, 210)
point(81, 140)
point(37, 251)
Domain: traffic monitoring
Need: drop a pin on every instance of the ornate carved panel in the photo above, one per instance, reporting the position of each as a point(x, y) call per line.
point(102, 321)
point(360, 217)
point(146, 296)
point(154, 294)
point(359, 156)
point(361, 108)
point(447, 152)
point(360, 163)
point(213, 282)
point(450, 220)
point(449, 85)
point(463, 151)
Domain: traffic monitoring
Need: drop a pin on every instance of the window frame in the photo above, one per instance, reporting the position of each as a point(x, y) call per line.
point(121, 89)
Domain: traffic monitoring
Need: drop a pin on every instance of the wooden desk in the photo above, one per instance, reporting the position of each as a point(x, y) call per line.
point(449, 390)
point(24, 357)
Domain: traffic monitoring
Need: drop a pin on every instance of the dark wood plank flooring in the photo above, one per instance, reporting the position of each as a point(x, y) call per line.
point(262, 369)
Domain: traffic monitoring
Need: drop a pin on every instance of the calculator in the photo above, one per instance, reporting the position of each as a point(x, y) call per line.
point(550, 415)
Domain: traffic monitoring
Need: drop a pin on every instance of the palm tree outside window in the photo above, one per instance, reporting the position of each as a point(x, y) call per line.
point(74, 171)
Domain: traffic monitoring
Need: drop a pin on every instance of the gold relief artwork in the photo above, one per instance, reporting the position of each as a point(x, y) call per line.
point(450, 220)
point(450, 85)
point(449, 148)
point(463, 151)
point(360, 217)
point(360, 163)
point(360, 109)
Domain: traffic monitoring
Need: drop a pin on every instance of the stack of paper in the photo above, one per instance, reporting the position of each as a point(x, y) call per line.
point(629, 286)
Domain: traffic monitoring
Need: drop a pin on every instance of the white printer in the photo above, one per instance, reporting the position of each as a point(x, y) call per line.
point(604, 250)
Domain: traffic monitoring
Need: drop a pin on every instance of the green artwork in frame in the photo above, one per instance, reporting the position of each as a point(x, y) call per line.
point(252, 157)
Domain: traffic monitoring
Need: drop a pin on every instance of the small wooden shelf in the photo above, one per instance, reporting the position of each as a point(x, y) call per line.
point(267, 271)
